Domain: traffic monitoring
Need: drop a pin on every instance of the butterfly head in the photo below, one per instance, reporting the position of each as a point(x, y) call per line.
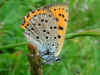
point(48, 57)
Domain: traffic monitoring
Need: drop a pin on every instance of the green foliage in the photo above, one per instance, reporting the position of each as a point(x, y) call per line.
point(79, 56)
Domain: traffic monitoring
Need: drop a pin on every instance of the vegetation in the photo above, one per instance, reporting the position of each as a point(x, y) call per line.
point(81, 51)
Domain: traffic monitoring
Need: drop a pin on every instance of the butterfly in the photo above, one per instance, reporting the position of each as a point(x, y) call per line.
point(45, 28)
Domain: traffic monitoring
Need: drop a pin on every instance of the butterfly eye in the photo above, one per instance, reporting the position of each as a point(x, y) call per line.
point(57, 59)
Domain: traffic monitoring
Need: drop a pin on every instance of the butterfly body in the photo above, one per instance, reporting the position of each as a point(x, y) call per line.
point(45, 28)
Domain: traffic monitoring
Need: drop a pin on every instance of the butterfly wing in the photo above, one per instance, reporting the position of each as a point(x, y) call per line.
point(60, 12)
point(45, 28)
point(40, 29)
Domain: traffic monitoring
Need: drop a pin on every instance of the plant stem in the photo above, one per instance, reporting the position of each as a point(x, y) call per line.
point(13, 45)
point(34, 60)
point(82, 34)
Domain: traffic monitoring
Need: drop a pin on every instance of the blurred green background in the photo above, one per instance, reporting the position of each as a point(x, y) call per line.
point(79, 56)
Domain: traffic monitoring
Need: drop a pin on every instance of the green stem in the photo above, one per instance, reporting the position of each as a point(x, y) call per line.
point(82, 34)
point(13, 45)
point(68, 36)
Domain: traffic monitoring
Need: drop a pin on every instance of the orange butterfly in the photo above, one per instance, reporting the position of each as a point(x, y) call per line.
point(45, 28)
